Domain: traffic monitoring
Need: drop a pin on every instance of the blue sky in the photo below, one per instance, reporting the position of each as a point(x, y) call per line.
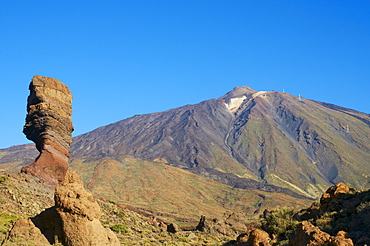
point(122, 58)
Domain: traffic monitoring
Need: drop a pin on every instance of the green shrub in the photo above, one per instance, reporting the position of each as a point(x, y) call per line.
point(3, 178)
point(279, 222)
point(120, 228)
point(185, 239)
point(6, 220)
point(326, 221)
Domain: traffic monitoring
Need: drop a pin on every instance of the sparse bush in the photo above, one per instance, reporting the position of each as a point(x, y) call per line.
point(185, 239)
point(279, 222)
point(113, 201)
point(325, 222)
point(363, 206)
point(6, 220)
point(3, 178)
point(122, 215)
point(120, 228)
point(282, 243)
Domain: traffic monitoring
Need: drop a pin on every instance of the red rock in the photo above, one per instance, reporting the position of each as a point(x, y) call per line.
point(49, 125)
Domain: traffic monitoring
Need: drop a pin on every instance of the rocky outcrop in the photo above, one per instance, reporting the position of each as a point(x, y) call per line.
point(80, 213)
point(331, 194)
point(310, 235)
point(73, 221)
point(25, 231)
point(49, 125)
point(252, 237)
point(172, 228)
point(259, 237)
point(230, 224)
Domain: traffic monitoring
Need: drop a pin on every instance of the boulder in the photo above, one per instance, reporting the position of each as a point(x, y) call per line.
point(49, 126)
point(242, 239)
point(310, 235)
point(173, 228)
point(341, 239)
point(334, 191)
point(23, 232)
point(80, 214)
point(258, 237)
point(230, 224)
point(73, 221)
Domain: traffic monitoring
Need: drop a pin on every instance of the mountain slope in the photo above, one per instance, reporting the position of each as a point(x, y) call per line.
point(170, 193)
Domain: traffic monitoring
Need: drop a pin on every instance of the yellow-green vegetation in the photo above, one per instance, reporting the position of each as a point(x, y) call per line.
point(6, 219)
point(134, 229)
point(3, 178)
point(279, 222)
point(119, 228)
point(173, 194)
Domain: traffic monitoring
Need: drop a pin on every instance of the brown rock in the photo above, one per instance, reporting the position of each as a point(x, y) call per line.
point(173, 228)
point(340, 240)
point(310, 235)
point(259, 237)
point(80, 213)
point(73, 221)
point(23, 232)
point(49, 125)
point(162, 226)
point(334, 191)
point(242, 239)
point(230, 224)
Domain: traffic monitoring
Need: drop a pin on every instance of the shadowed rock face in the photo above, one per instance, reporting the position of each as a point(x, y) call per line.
point(49, 125)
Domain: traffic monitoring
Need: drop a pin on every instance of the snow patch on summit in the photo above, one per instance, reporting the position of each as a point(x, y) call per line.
point(235, 103)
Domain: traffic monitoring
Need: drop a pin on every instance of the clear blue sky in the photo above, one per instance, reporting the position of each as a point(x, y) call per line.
point(122, 58)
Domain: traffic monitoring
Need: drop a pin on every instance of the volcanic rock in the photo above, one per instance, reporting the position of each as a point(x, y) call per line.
point(49, 125)
point(25, 231)
point(242, 239)
point(173, 228)
point(80, 214)
point(230, 224)
point(310, 235)
point(259, 237)
point(73, 221)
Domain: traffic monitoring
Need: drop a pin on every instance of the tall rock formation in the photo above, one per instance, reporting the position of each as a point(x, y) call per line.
point(74, 220)
point(49, 125)
point(80, 213)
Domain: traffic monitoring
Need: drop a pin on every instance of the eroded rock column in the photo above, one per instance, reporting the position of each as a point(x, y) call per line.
point(49, 125)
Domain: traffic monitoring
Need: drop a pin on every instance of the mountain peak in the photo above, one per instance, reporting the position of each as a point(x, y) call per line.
point(234, 98)
point(238, 92)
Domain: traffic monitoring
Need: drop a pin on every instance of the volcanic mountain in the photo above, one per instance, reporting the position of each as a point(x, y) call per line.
point(263, 140)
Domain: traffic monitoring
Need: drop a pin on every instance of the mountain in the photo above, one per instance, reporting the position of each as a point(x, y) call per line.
point(266, 141)
point(270, 141)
